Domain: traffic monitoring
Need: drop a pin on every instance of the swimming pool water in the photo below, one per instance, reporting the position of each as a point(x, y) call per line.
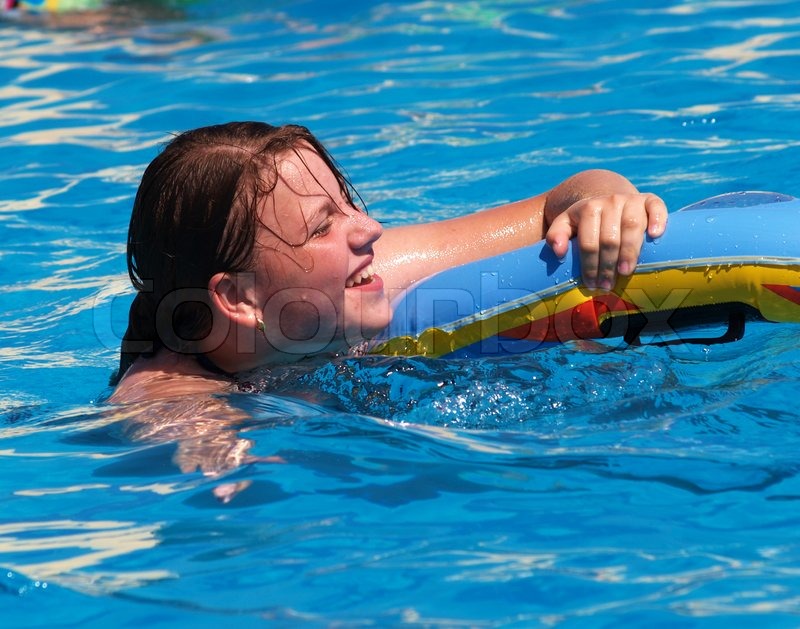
point(573, 487)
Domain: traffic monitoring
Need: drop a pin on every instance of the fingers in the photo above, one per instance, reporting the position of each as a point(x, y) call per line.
point(599, 242)
point(645, 212)
point(595, 222)
point(610, 233)
point(656, 215)
point(633, 223)
point(561, 230)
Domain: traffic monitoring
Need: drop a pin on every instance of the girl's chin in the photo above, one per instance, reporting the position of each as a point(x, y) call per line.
point(366, 319)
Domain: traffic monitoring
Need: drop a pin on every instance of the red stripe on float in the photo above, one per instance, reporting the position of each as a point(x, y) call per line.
point(790, 293)
point(580, 322)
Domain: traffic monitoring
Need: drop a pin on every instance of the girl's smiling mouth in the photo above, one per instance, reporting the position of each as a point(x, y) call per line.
point(361, 278)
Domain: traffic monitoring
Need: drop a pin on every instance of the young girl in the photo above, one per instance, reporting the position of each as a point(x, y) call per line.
point(246, 248)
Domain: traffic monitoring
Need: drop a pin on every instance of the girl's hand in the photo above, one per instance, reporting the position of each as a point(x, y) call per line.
point(610, 231)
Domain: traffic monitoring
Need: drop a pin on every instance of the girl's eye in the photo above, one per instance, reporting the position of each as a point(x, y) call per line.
point(322, 229)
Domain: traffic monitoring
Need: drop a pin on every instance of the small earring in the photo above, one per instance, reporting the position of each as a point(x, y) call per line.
point(261, 327)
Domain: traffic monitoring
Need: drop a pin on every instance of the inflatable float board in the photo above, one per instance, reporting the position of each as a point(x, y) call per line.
point(721, 262)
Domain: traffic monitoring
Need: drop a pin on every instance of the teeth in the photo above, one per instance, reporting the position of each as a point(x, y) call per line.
point(364, 276)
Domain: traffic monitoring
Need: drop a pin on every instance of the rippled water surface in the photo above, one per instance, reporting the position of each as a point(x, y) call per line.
point(574, 487)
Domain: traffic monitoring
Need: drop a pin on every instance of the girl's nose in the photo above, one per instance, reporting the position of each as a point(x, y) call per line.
point(364, 230)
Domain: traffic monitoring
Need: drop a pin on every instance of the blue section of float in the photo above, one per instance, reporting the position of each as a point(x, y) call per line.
point(739, 224)
point(741, 227)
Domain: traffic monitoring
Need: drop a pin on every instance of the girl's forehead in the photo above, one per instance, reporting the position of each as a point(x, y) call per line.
point(304, 172)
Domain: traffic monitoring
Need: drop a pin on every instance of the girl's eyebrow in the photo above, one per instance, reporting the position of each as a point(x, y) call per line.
point(320, 207)
point(325, 204)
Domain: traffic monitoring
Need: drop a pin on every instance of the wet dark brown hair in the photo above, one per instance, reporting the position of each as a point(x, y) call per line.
point(196, 214)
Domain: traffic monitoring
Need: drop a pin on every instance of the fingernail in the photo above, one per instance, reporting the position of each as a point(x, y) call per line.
point(605, 284)
point(624, 268)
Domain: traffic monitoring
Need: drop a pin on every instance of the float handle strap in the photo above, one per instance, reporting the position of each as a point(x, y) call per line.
point(735, 332)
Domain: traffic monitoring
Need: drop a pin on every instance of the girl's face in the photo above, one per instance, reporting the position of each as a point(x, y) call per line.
point(314, 272)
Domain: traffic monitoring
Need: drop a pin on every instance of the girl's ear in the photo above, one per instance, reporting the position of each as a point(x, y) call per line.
point(233, 296)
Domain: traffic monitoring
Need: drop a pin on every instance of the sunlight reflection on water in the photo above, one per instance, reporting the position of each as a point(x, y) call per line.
point(568, 487)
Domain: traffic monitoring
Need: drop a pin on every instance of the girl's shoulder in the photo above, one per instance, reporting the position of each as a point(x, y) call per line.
point(165, 375)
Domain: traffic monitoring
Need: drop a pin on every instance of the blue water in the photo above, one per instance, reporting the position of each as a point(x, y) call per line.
point(574, 487)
